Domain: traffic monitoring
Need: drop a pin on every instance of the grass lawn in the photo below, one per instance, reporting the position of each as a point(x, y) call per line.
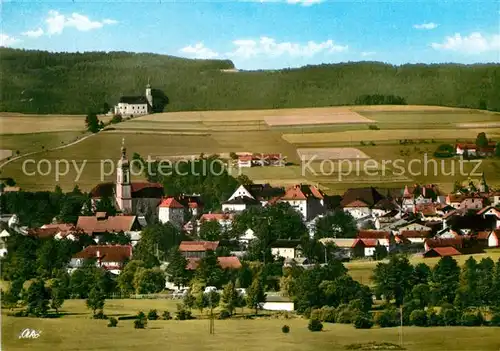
point(25, 143)
point(77, 331)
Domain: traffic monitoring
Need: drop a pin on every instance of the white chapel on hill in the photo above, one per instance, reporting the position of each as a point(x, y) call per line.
point(135, 105)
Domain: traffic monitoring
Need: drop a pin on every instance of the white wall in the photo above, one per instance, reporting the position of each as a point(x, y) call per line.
point(131, 109)
point(358, 212)
point(278, 306)
point(283, 252)
point(233, 207)
point(172, 215)
point(241, 191)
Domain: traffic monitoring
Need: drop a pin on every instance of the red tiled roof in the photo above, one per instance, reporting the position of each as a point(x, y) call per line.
point(107, 253)
point(373, 234)
point(469, 146)
point(170, 203)
point(445, 251)
point(190, 246)
point(366, 242)
point(216, 217)
point(301, 192)
point(228, 262)
point(90, 224)
point(444, 242)
point(245, 158)
point(138, 186)
point(483, 235)
point(415, 233)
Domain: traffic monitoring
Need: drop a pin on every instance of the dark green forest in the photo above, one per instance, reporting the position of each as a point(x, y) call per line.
point(74, 83)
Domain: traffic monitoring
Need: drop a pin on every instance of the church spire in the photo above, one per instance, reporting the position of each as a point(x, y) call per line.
point(124, 149)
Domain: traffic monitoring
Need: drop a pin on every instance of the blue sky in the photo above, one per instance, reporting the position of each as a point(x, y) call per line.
point(262, 34)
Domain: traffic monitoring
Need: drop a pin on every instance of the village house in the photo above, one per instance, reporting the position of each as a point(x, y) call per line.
point(359, 201)
point(197, 249)
point(288, 249)
point(171, 211)
point(250, 160)
point(225, 220)
point(100, 224)
point(344, 245)
point(415, 236)
point(441, 252)
point(4, 235)
point(110, 257)
point(135, 105)
point(384, 238)
point(131, 198)
point(418, 195)
point(308, 200)
point(366, 247)
point(251, 195)
point(466, 148)
point(489, 238)
point(491, 212)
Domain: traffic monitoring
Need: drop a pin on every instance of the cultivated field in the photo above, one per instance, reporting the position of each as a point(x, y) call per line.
point(388, 135)
point(17, 123)
point(327, 118)
point(72, 331)
point(331, 153)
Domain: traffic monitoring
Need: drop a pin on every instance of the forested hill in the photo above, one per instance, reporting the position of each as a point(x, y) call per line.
point(43, 82)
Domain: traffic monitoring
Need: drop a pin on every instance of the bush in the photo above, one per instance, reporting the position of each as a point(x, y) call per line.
point(315, 325)
point(224, 314)
point(328, 314)
point(495, 320)
point(363, 321)
point(418, 318)
point(449, 316)
point(152, 315)
point(166, 316)
point(471, 319)
point(100, 315)
point(388, 318)
point(345, 315)
point(22, 313)
point(182, 314)
point(113, 322)
point(285, 329)
point(140, 315)
point(373, 127)
point(140, 323)
point(316, 313)
point(433, 319)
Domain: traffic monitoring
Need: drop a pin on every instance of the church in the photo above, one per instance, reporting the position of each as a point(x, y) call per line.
point(135, 105)
point(131, 198)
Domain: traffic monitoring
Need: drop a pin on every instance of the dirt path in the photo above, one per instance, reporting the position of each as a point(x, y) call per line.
point(52, 149)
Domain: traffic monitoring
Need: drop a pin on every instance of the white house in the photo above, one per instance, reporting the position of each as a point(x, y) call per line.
point(358, 209)
point(135, 105)
point(110, 257)
point(288, 249)
point(247, 236)
point(251, 195)
point(3, 244)
point(492, 238)
point(306, 199)
point(469, 147)
point(245, 161)
point(170, 210)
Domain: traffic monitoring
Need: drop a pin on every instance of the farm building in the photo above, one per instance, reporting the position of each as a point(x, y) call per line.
point(441, 252)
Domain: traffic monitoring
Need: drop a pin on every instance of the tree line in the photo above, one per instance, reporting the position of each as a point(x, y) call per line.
point(43, 82)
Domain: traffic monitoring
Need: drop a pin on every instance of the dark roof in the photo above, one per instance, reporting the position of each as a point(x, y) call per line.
point(134, 100)
point(264, 191)
point(242, 200)
point(139, 190)
point(472, 221)
point(370, 196)
point(385, 204)
point(285, 243)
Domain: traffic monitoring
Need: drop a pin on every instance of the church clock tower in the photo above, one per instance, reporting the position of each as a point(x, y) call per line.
point(123, 186)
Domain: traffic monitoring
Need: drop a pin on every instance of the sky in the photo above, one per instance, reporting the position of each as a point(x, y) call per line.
point(262, 34)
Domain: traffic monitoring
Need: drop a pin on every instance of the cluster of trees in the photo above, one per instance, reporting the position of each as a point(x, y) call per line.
point(379, 99)
point(35, 209)
point(73, 82)
point(461, 292)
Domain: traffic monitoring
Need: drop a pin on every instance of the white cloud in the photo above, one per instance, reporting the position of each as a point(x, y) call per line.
point(247, 48)
point(427, 26)
point(6, 40)
point(368, 53)
point(33, 33)
point(304, 2)
point(56, 22)
point(475, 43)
point(199, 50)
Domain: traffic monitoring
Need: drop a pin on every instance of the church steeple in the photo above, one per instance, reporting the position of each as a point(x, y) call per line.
point(123, 186)
point(149, 95)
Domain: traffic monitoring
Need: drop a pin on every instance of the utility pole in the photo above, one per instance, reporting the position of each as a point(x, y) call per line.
point(211, 319)
point(401, 323)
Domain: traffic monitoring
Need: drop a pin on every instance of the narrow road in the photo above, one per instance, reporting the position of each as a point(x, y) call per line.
point(53, 149)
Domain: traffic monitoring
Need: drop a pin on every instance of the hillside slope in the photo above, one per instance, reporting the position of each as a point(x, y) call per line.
point(43, 82)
